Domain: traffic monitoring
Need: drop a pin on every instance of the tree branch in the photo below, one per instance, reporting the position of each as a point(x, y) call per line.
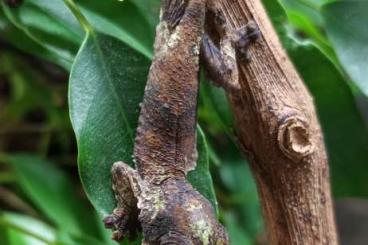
point(278, 129)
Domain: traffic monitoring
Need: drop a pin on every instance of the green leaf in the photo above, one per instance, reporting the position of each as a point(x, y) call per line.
point(150, 9)
point(307, 8)
point(15, 237)
point(305, 17)
point(56, 34)
point(346, 26)
point(50, 24)
point(20, 40)
point(106, 234)
point(241, 193)
point(22, 229)
point(26, 230)
point(106, 86)
point(237, 236)
point(122, 20)
point(200, 177)
point(52, 192)
point(214, 109)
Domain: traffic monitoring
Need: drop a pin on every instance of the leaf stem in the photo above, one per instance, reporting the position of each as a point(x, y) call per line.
point(79, 16)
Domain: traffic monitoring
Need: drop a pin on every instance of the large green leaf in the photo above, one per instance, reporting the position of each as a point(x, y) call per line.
point(237, 178)
point(201, 177)
point(50, 24)
point(214, 109)
point(106, 86)
point(346, 25)
point(52, 192)
point(237, 235)
point(120, 19)
point(26, 230)
point(308, 8)
point(150, 10)
point(21, 229)
point(305, 17)
point(56, 34)
point(16, 237)
point(19, 39)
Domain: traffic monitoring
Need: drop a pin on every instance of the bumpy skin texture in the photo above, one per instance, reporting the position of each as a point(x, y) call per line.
point(167, 123)
point(171, 211)
point(157, 197)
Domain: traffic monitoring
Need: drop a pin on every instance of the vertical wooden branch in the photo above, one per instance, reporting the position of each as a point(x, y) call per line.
point(279, 131)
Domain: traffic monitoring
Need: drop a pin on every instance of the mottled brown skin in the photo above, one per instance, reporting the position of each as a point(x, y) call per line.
point(157, 197)
point(167, 124)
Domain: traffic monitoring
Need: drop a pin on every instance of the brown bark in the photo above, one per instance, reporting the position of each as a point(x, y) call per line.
point(278, 129)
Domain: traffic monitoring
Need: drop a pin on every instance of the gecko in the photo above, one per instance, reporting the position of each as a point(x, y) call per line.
point(155, 197)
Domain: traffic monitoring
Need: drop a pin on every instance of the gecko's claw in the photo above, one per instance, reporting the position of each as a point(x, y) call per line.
point(243, 37)
point(109, 222)
point(220, 22)
point(117, 236)
point(117, 221)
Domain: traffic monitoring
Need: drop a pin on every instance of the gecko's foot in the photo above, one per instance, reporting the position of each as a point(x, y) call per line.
point(220, 22)
point(243, 37)
point(118, 223)
point(124, 219)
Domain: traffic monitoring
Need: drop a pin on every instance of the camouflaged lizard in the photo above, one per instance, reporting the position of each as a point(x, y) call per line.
point(156, 197)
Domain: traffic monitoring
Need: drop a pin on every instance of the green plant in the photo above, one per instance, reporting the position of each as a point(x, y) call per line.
point(106, 47)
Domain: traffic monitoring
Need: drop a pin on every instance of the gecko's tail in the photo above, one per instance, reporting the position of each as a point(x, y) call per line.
point(183, 12)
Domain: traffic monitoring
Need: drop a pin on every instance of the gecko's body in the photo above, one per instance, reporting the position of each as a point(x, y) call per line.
point(165, 144)
point(157, 197)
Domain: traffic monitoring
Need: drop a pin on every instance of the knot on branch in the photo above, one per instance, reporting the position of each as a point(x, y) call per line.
point(294, 138)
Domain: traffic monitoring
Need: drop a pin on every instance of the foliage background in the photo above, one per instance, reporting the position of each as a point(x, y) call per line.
point(100, 51)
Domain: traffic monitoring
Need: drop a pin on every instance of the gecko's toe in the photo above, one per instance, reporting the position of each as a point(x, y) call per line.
point(118, 212)
point(121, 225)
point(219, 18)
point(250, 31)
point(117, 236)
point(109, 221)
point(243, 37)
point(114, 220)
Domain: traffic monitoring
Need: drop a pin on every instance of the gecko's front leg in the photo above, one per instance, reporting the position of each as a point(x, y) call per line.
point(221, 58)
point(124, 218)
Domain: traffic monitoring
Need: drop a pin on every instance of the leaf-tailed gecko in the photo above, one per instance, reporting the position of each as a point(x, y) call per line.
point(156, 197)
